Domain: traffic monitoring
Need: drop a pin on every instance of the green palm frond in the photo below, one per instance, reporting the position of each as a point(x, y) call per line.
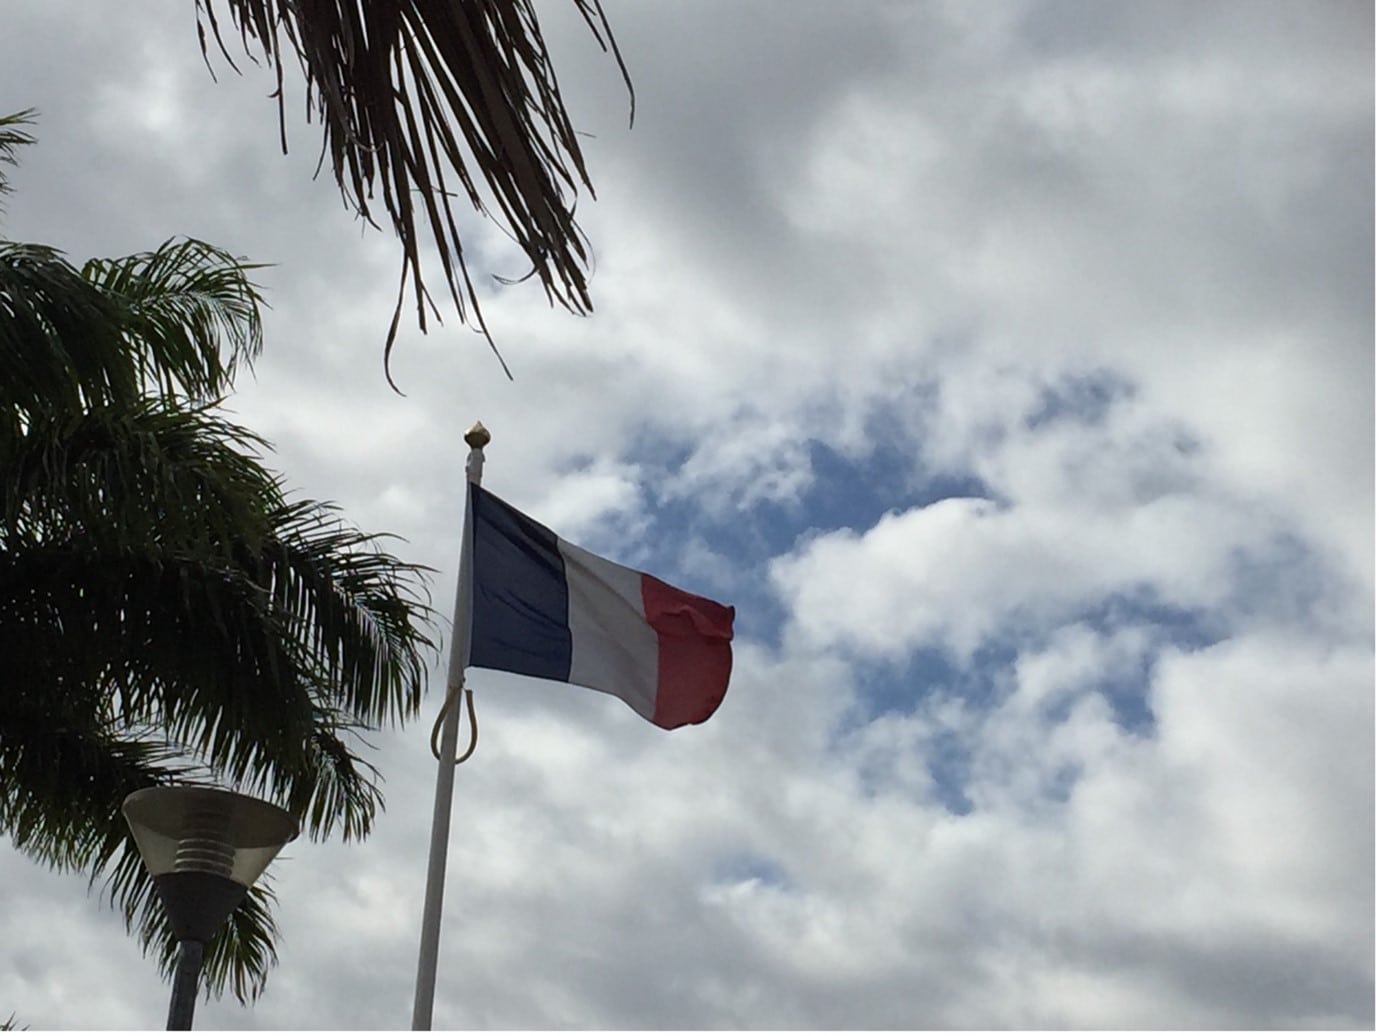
point(12, 138)
point(133, 474)
point(60, 338)
point(424, 99)
point(206, 604)
point(66, 772)
point(358, 605)
point(189, 310)
point(180, 318)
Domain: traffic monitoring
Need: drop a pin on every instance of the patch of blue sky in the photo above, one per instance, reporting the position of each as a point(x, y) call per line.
point(899, 687)
point(948, 758)
point(886, 686)
point(1058, 787)
point(840, 491)
point(745, 867)
point(1283, 582)
point(928, 680)
point(1084, 397)
point(923, 682)
point(929, 756)
point(855, 493)
point(1126, 691)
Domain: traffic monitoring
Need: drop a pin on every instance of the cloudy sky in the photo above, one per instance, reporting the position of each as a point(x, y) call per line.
point(1008, 366)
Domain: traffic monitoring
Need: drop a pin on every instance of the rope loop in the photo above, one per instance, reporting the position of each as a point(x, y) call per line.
point(440, 719)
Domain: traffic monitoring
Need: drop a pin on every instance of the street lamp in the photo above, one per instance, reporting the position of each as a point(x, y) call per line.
point(204, 848)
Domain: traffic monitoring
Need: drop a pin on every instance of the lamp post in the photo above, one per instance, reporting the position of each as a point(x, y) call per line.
point(204, 848)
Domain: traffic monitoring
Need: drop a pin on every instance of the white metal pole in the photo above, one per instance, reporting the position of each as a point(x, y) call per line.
point(477, 437)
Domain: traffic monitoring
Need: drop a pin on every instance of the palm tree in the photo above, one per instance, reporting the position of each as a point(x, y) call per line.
point(415, 97)
point(166, 612)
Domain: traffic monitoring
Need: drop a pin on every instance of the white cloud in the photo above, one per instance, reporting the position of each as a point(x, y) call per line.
point(955, 572)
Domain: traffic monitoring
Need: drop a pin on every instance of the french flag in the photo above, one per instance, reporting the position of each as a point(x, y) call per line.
point(543, 607)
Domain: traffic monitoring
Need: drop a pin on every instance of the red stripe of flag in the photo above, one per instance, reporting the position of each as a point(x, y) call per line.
point(695, 661)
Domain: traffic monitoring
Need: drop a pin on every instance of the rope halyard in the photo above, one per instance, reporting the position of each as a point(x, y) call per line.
point(440, 719)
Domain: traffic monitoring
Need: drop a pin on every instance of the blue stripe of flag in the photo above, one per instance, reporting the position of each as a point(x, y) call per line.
point(521, 599)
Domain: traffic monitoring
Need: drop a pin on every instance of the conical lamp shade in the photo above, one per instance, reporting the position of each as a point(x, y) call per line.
point(204, 848)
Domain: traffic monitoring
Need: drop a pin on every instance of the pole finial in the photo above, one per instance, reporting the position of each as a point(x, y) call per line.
point(477, 436)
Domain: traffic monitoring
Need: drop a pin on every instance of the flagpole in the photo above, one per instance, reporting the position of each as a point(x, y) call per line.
point(477, 437)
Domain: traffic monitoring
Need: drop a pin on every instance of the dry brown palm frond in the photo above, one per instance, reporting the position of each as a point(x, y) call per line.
point(417, 95)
